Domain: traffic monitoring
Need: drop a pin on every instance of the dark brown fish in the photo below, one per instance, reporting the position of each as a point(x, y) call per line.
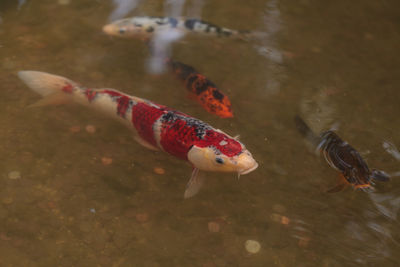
point(342, 157)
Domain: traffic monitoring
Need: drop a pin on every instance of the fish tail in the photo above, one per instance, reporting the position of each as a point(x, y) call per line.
point(380, 175)
point(44, 83)
point(55, 90)
point(303, 128)
point(251, 35)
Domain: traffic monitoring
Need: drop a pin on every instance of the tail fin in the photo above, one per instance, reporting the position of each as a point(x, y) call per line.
point(380, 175)
point(252, 35)
point(306, 131)
point(44, 83)
point(54, 89)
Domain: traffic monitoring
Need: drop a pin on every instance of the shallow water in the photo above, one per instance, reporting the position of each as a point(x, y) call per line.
point(335, 64)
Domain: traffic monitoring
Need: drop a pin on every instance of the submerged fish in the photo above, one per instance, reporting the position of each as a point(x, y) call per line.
point(155, 126)
point(145, 27)
point(205, 91)
point(342, 157)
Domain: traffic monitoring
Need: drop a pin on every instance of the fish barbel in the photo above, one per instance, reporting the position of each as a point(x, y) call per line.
point(155, 126)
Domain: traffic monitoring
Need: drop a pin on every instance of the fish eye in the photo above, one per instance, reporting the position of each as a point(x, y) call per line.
point(219, 160)
point(122, 30)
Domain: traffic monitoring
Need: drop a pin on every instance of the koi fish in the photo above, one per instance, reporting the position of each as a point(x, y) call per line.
point(343, 158)
point(145, 27)
point(205, 91)
point(155, 126)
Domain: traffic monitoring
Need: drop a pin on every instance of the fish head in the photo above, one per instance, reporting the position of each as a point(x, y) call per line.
point(223, 154)
point(137, 27)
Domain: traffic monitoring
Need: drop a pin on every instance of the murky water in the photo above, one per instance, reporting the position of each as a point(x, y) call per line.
point(334, 63)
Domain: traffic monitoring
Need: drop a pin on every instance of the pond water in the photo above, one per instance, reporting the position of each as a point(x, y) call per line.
point(64, 203)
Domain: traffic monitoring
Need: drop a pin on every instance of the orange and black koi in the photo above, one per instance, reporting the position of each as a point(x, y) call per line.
point(342, 157)
point(205, 91)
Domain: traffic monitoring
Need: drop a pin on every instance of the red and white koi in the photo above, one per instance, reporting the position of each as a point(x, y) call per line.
point(155, 126)
point(145, 27)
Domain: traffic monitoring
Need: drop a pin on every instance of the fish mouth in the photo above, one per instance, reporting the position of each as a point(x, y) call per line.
point(109, 29)
point(248, 170)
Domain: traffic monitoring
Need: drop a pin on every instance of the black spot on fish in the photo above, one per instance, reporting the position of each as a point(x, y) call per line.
point(183, 70)
point(218, 95)
point(192, 79)
point(189, 23)
point(169, 116)
point(137, 24)
point(150, 29)
point(173, 22)
point(201, 86)
point(174, 119)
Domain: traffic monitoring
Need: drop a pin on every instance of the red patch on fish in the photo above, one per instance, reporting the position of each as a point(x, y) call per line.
point(90, 94)
point(143, 118)
point(228, 146)
point(68, 89)
point(177, 137)
point(123, 105)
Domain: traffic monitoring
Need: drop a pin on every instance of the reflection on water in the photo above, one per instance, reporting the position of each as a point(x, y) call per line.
point(162, 41)
point(21, 3)
point(173, 8)
point(76, 190)
point(318, 110)
point(391, 149)
point(161, 49)
point(270, 49)
point(195, 9)
point(122, 8)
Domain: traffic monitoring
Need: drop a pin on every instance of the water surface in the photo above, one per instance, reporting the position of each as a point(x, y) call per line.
point(333, 63)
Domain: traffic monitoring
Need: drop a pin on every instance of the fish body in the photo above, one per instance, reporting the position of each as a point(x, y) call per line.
point(342, 157)
point(145, 27)
point(205, 91)
point(155, 126)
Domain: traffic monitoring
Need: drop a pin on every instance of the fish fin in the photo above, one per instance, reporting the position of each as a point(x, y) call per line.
point(45, 83)
point(58, 98)
point(194, 185)
point(365, 187)
point(341, 184)
point(380, 175)
point(251, 35)
point(337, 188)
point(145, 143)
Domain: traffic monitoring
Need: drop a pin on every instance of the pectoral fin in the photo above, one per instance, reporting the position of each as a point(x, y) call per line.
point(341, 184)
point(58, 98)
point(194, 185)
point(145, 143)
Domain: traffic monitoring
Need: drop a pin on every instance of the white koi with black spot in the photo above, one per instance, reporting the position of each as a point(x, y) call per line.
point(145, 27)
